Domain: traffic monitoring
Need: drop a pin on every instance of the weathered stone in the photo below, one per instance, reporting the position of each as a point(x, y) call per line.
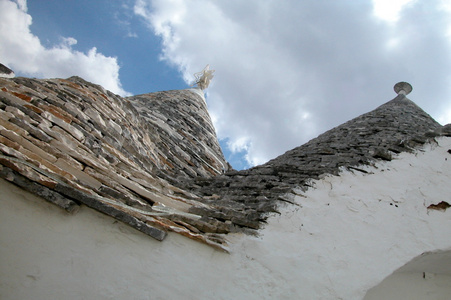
point(5, 124)
point(76, 112)
point(79, 175)
point(21, 166)
point(40, 190)
point(27, 144)
point(359, 141)
point(65, 125)
point(121, 155)
point(97, 204)
point(5, 115)
point(382, 154)
point(12, 99)
point(32, 130)
point(95, 117)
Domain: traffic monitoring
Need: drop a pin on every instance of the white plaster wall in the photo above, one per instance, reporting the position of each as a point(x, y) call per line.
point(412, 286)
point(427, 276)
point(354, 230)
point(46, 253)
point(343, 238)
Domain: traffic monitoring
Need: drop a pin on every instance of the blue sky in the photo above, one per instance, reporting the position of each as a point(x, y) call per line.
point(286, 71)
point(115, 31)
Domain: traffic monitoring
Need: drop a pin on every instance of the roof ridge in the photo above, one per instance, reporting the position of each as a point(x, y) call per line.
point(395, 126)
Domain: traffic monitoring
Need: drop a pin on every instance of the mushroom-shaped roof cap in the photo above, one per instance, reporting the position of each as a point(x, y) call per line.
point(402, 88)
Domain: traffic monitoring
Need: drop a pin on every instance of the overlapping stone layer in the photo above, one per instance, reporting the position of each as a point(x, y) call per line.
point(399, 125)
point(73, 143)
point(154, 162)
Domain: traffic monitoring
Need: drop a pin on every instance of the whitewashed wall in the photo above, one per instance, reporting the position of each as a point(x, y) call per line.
point(413, 286)
point(344, 237)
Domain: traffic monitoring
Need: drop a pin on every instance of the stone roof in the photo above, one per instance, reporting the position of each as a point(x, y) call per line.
point(398, 125)
point(73, 143)
point(153, 161)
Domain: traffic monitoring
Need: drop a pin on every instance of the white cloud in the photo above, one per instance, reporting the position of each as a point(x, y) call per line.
point(389, 10)
point(22, 4)
point(445, 117)
point(287, 71)
point(23, 52)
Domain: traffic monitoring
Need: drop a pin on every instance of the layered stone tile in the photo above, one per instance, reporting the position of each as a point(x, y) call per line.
point(81, 143)
point(154, 162)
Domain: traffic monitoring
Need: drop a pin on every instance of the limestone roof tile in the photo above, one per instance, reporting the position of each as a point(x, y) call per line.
point(153, 161)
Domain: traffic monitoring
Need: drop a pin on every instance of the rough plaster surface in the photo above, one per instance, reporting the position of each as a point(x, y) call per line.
point(344, 236)
point(45, 253)
point(412, 286)
point(353, 230)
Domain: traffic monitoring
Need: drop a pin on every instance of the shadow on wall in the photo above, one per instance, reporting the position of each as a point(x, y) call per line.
point(427, 276)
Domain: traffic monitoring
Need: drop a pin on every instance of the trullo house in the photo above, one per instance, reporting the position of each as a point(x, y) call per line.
point(103, 197)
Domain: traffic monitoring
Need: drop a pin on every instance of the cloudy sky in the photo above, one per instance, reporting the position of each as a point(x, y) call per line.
point(286, 70)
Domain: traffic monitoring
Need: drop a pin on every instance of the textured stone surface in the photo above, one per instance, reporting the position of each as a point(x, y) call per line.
point(121, 156)
point(397, 126)
point(154, 162)
point(182, 127)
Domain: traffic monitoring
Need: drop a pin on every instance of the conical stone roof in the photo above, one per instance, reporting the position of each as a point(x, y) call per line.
point(74, 143)
point(376, 134)
point(153, 161)
point(183, 129)
point(396, 126)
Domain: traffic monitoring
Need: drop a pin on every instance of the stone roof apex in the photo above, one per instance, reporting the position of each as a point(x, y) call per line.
point(402, 88)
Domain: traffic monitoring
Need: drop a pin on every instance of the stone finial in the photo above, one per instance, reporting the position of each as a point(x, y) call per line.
point(204, 77)
point(402, 88)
